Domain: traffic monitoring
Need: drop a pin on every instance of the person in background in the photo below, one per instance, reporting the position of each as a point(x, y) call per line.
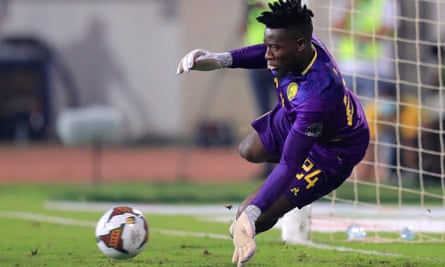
point(380, 159)
point(317, 131)
point(260, 80)
point(253, 32)
point(365, 54)
point(365, 46)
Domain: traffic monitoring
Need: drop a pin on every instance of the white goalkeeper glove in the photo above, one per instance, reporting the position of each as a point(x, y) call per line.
point(243, 232)
point(200, 59)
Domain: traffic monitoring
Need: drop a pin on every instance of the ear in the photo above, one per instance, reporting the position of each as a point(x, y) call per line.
point(301, 44)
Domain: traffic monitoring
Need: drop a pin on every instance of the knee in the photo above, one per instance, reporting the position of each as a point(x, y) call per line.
point(248, 153)
point(252, 149)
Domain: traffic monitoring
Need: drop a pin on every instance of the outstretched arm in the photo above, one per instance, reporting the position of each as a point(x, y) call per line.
point(200, 59)
point(296, 149)
point(249, 57)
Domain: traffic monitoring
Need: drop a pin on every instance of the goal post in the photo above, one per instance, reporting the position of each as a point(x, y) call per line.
point(400, 183)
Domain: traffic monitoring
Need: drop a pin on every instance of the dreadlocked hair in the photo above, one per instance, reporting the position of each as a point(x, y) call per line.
point(286, 14)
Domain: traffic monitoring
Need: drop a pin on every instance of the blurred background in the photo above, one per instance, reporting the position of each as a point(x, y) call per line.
point(60, 55)
point(102, 73)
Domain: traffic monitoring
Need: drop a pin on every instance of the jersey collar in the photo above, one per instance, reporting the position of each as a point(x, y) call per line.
point(311, 62)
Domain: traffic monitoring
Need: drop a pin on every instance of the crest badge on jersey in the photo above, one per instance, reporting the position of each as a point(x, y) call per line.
point(292, 90)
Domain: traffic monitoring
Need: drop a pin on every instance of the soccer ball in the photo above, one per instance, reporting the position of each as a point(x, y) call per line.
point(122, 232)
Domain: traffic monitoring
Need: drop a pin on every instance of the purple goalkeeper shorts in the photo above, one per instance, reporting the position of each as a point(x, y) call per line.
point(312, 181)
point(273, 128)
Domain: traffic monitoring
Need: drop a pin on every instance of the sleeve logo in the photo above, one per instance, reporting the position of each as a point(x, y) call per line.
point(314, 130)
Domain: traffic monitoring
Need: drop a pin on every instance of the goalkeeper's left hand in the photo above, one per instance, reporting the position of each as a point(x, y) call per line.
point(243, 232)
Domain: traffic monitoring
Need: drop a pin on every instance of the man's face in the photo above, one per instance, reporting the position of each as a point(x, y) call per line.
point(283, 52)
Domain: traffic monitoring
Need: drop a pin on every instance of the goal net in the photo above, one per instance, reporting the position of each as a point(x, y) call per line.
point(392, 55)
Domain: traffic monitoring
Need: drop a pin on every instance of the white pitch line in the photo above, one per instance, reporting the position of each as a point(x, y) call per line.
point(84, 223)
point(346, 249)
point(45, 218)
point(324, 217)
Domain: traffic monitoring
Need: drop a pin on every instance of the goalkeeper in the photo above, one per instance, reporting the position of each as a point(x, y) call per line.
point(317, 131)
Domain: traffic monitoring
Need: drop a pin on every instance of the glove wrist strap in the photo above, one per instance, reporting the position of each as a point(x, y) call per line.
point(225, 59)
point(252, 212)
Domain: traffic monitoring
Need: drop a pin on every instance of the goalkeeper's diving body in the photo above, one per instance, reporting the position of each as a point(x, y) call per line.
point(317, 131)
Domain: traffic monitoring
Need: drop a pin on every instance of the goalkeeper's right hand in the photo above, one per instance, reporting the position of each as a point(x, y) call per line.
point(243, 232)
point(200, 59)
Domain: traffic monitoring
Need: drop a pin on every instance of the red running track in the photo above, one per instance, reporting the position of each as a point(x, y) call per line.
point(54, 163)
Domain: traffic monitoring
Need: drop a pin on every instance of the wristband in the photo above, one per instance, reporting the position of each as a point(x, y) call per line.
point(225, 59)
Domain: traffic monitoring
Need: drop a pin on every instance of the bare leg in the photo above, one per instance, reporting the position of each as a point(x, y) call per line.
point(252, 149)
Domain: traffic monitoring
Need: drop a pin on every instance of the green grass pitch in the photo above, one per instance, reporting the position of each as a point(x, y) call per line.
point(32, 235)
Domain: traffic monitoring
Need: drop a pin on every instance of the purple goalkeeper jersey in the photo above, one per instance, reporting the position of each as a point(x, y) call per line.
point(323, 122)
